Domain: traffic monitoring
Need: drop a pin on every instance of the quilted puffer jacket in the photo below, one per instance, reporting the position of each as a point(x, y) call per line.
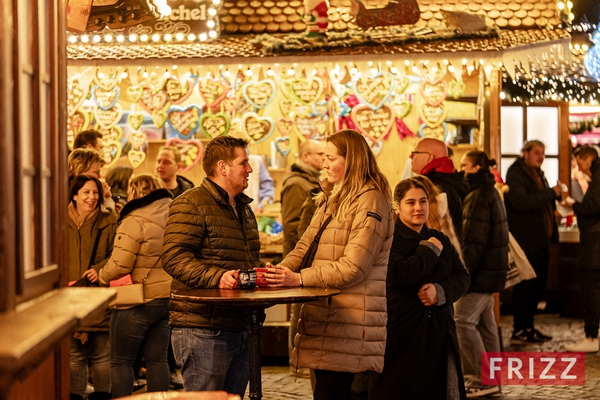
point(347, 332)
point(203, 239)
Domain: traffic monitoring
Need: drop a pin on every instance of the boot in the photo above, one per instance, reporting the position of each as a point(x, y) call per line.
point(99, 396)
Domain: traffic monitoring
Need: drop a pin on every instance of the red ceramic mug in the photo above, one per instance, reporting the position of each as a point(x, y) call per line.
point(261, 277)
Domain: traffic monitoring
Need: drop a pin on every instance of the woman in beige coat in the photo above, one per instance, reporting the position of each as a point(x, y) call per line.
point(343, 335)
point(137, 251)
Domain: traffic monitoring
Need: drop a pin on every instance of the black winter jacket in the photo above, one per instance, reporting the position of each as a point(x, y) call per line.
point(203, 239)
point(485, 234)
point(525, 207)
point(588, 220)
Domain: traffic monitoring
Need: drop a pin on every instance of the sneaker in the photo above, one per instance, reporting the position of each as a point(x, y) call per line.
point(539, 335)
point(487, 391)
point(176, 380)
point(585, 345)
point(526, 336)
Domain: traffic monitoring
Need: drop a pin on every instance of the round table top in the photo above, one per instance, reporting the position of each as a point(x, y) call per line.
point(256, 296)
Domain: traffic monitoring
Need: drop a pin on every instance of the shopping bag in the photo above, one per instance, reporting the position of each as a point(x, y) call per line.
point(519, 268)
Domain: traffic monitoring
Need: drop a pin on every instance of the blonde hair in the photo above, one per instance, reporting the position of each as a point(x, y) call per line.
point(435, 220)
point(361, 168)
point(82, 160)
point(142, 185)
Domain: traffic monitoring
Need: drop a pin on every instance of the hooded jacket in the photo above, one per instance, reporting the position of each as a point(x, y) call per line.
point(346, 333)
point(588, 220)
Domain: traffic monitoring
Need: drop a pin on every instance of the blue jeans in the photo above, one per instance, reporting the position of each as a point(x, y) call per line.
point(96, 352)
point(146, 327)
point(212, 359)
point(476, 330)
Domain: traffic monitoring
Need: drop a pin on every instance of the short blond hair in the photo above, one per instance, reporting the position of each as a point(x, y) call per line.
point(142, 185)
point(82, 160)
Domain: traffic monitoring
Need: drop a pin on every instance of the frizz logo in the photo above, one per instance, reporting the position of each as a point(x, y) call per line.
point(532, 368)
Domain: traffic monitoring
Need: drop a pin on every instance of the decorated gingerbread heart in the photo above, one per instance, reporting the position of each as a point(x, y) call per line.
point(136, 157)
point(135, 120)
point(256, 127)
point(112, 152)
point(283, 145)
point(159, 117)
point(285, 125)
point(105, 99)
point(191, 151)
point(374, 124)
point(76, 123)
point(286, 107)
point(113, 133)
point(457, 89)
point(214, 125)
point(307, 90)
point(76, 95)
point(433, 116)
point(434, 93)
point(440, 132)
point(110, 117)
point(151, 101)
point(402, 108)
point(134, 93)
point(320, 109)
point(259, 94)
point(435, 75)
point(137, 139)
point(306, 127)
point(156, 82)
point(107, 79)
point(213, 92)
point(401, 85)
point(374, 91)
point(176, 92)
point(185, 121)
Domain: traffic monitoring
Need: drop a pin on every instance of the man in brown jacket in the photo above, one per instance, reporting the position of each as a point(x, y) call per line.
point(212, 233)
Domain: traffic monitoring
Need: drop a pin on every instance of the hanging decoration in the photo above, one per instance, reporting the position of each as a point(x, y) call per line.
point(191, 152)
point(184, 121)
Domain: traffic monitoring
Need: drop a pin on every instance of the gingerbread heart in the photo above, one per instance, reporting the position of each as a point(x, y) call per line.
point(320, 109)
point(256, 127)
point(213, 92)
point(259, 94)
point(76, 95)
point(376, 147)
point(185, 121)
point(285, 84)
point(230, 105)
point(286, 107)
point(76, 123)
point(135, 120)
point(306, 127)
point(137, 139)
point(402, 109)
point(112, 152)
point(191, 152)
point(374, 91)
point(433, 116)
point(434, 93)
point(401, 85)
point(176, 92)
point(285, 125)
point(214, 125)
point(105, 99)
point(159, 117)
point(151, 101)
point(113, 133)
point(283, 146)
point(322, 126)
point(307, 90)
point(457, 89)
point(107, 80)
point(374, 124)
point(110, 117)
point(157, 82)
point(136, 157)
point(435, 75)
point(134, 93)
point(440, 132)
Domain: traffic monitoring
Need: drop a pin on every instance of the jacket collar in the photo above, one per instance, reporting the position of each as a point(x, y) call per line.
point(221, 194)
point(144, 201)
point(410, 234)
point(480, 178)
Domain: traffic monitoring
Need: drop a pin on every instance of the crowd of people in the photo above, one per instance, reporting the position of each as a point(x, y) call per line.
point(417, 266)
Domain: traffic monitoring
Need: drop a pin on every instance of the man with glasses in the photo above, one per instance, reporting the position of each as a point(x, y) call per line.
point(430, 158)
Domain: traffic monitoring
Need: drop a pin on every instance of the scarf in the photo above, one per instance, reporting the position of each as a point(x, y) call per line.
point(443, 165)
point(78, 218)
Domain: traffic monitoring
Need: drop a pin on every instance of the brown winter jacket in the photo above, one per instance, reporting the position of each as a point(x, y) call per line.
point(203, 239)
point(138, 245)
point(347, 332)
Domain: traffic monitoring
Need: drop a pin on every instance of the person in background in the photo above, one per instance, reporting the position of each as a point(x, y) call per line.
point(117, 178)
point(261, 188)
point(137, 251)
point(168, 163)
point(91, 139)
point(530, 213)
point(588, 221)
point(211, 234)
point(485, 253)
point(430, 158)
point(92, 230)
point(425, 277)
point(90, 162)
point(344, 335)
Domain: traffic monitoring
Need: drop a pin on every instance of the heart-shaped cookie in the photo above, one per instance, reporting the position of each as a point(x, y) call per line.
point(286, 107)
point(114, 133)
point(322, 125)
point(440, 132)
point(214, 125)
point(213, 92)
point(402, 109)
point(374, 91)
point(159, 117)
point(76, 95)
point(137, 139)
point(401, 85)
point(320, 109)
point(435, 75)
point(285, 125)
point(457, 89)
point(107, 79)
point(191, 151)
point(134, 93)
point(156, 82)
point(283, 145)
point(434, 93)
point(259, 94)
point(176, 92)
point(105, 99)
point(433, 116)
point(136, 157)
point(256, 127)
point(151, 101)
point(374, 124)
point(307, 90)
point(110, 117)
point(376, 147)
point(306, 127)
point(76, 123)
point(185, 121)
point(135, 120)
point(112, 152)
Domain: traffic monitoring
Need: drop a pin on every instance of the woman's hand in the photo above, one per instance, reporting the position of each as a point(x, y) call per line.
point(436, 242)
point(428, 294)
point(91, 275)
point(229, 280)
point(281, 276)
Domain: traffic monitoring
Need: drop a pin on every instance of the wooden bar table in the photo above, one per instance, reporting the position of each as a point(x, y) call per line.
point(254, 302)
